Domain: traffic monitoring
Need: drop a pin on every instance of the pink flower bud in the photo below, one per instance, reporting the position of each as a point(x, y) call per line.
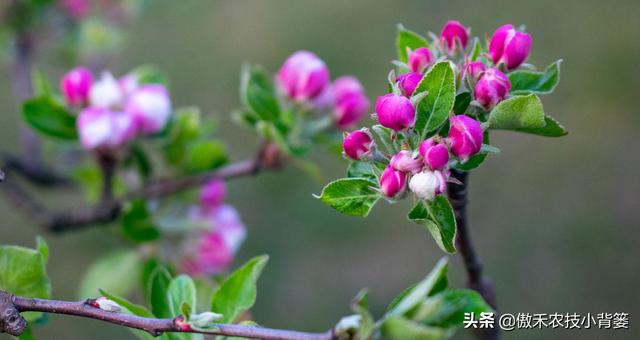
point(213, 193)
point(303, 76)
point(406, 162)
point(509, 46)
point(101, 128)
point(492, 88)
point(106, 92)
point(357, 144)
point(151, 107)
point(392, 182)
point(454, 34)
point(465, 134)
point(408, 82)
point(436, 155)
point(427, 184)
point(351, 104)
point(420, 59)
point(395, 112)
point(75, 86)
point(473, 70)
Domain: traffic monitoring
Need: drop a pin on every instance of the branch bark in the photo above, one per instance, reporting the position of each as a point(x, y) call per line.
point(458, 196)
point(14, 324)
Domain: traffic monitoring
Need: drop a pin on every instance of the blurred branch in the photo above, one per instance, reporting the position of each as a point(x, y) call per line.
point(13, 323)
point(473, 265)
point(108, 209)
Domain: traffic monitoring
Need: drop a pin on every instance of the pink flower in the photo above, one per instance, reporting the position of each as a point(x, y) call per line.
point(128, 84)
point(465, 134)
point(303, 76)
point(395, 112)
point(427, 184)
point(357, 144)
point(106, 92)
point(351, 104)
point(408, 82)
point(212, 194)
point(75, 86)
point(151, 107)
point(392, 182)
point(102, 128)
point(420, 59)
point(473, 70)
point(454, 34)
point(492, 88)
point(78, 9)
point(406, 162)
point(436, 155)
point(509, 47)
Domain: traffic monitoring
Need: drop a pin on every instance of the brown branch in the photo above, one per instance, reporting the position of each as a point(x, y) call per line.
point(12, 323)
point(472, 263)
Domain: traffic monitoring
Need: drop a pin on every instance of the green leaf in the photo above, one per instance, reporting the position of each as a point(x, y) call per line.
point(462, 102)
point(23, 273)
point(552, 128)
point(360, 170)
point(350, 196)
point(150, 74)
point(518, 112)
point(238, 291)
point(527, 82)
point(49, 118)
point(258, 94)
point(157, 287)
point(181, 290)
point(437, 216)
point(412, 297)
point(360, 305)
point(43, 248)
point(408, 39)
point(41, 85)
point(433, 110)
point(447, 309)
point(400, 328)
point(205, 155)
point(116, 272)
point(141, 161)
point(137, 222)
point(133, 309)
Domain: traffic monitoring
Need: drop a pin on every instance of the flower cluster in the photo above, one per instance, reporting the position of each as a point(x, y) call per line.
point(423, 161)
point(304, 78)
point(213, 249)
point(114, 111)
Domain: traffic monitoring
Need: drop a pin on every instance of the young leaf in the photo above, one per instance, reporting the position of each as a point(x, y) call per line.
point(408, 39)
point(447, 309)
point(205, 155)
point(360, 170)
point(238, 292)
point(150, 74)
point(350, 196)
point(49, 118)
point(400, 328)
point(437, 216)
point(439, 83)
point(181, 290)
point(137, 222)
point(258, 94)
point(527, 82)
point(552, 128)
point(518, 112)
point(116, 272)
point(157, 287)
point(410, 298)
point(360, 305)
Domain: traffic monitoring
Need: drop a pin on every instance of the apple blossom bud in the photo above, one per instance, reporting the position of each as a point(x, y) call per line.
point(408, 82)
point(453, 32)
point(357, 144)
point(351, 104)
point(395, 112)
point(182, 324)
point(419, 59)
point(473, 70)
point(75, 86)
point(406, 162)
point(303, 76)
point(213, 193)
point(99, 127)
point(465, 134)
point(492, 88)
point(509, 47)
point(436, 155)
point(106, 92)
point(427, 184)
point(151, 106)
point(392, 182)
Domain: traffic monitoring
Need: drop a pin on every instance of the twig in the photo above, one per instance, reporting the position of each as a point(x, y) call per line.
point(473, 265)
point(12, 323)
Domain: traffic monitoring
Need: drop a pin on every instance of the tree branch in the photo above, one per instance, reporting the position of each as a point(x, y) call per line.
point(472, 263)
point(14, 324)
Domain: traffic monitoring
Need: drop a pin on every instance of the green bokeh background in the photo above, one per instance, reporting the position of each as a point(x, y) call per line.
point(555, 220)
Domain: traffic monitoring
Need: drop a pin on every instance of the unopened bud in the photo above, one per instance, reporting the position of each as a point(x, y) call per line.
point(392, 182)
point(419, 59)
point(492, 88)
point(75, 86)
point(454, 34)
point(509, 47)
point(395, 112)
point(427, 184)
point(357, 144)
point(405, 161)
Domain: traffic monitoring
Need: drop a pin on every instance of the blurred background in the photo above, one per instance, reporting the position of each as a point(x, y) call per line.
point(556, 221)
